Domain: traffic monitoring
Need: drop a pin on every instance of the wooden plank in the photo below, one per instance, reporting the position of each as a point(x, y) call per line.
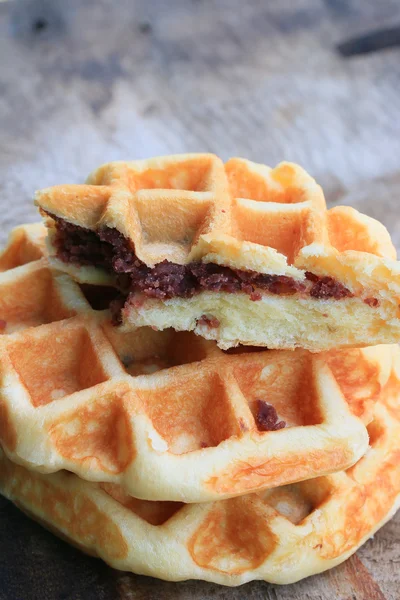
point(354, 579)
point(35, 565)
point(87, 82)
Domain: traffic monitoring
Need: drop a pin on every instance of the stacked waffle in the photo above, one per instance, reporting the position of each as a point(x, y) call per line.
point(142, 416)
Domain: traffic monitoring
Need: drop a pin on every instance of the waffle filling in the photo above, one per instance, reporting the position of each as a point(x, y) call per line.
point(109, 249)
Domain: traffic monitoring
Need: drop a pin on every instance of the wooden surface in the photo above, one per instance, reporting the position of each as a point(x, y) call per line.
point(87, 82)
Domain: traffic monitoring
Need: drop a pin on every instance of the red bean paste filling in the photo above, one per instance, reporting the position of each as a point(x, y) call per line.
point(266, 417)
point(109, 249)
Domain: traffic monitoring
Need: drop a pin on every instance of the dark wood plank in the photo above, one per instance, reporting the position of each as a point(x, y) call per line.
point(35, 565)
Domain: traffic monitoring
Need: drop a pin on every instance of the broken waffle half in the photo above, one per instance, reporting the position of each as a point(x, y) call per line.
point(279, 535)
point(167, 415)
point(239, 253)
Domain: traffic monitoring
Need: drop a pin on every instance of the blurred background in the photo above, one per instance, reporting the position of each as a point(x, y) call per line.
point(84, 82)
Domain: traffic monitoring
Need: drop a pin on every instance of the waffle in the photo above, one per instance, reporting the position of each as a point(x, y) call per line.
point(26, 243)
point(238, 253)
point(139, 409)
point(279, 535)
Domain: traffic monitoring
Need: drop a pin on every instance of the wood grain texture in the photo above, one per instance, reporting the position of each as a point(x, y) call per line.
point(85, 82)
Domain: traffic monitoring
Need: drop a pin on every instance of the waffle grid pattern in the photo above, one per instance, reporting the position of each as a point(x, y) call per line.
point(279, 535)
point(138, 409)
point(183, 207)
point(344, 285)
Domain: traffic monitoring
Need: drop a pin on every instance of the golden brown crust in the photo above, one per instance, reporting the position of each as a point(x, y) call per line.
point(281, 208)
point(168, 415)
point(245, 216)
point(137, 411)
point(279, 535)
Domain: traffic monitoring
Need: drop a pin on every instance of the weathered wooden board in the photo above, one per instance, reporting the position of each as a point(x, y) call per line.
point(85, 82)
